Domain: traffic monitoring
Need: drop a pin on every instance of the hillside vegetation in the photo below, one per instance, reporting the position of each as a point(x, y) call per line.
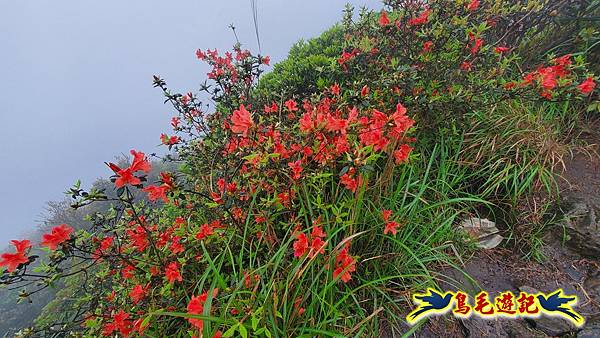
point(312, 200)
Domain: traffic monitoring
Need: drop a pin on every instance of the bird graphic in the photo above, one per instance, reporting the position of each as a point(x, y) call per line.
point(432, 301)
point(558, 303)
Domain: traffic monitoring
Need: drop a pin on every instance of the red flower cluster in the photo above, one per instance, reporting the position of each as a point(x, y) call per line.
point(347, 56)
point(12, 260)
point(427, 45)
point(421, 19)
point(383, 19)
point(474, 44)
point(57, 236)
point(473, 5)
point(345, 264)
point(172, 272)
point(125, 176)
point(138, 238)
point(556, 76)
point(169, 140)
point(390, 226)
point(350, 180)
point(207, 229)
point(120, 322)
point(314, 244)
point(587, 86)
point(241, 121)
point(196, 307)
point(160, 192)
point(501, 50)
point(138, 292)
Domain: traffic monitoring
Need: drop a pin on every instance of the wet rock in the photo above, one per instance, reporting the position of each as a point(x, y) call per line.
point(508, 328)
point(592, 283)
point(552, 326)
point(583, 228)
point(591, 329)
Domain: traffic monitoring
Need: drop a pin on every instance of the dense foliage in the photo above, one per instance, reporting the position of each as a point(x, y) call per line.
point(299, 207)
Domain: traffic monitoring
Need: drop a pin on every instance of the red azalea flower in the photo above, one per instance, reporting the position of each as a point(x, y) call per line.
point(386, 215)
point(477, 43)
point(291, 105)
point(127, 272)
point(125, 176)
point(241, 121)
point(427, 46)
point(205, 231)
point(296, 167)
point(12, 260)
point(297, 306)
point(139, 326)
point(473, 5)
point(167, 180)
point(317, 246)
point(284, 198)
point(501, 49)
point(137, 293)
point(349, 182)
point(546, 94)
point(21, 246)
point(106, 243)
point(510, 85)
point(383, 19)
point(172, 273)
point(272, 109)
point(587, 86)
point(121, 323)
point(391, 227)
point(175, 122)
point(176, 247)
point(318, 231)
point(57, 236)
point(200, 54)
point(335, 89)
point(138, 238)
point(300, 245)
point(344, 264)
point(466, 66)
point(401, 121)
point(401, 155)
point(564, 60)
point(139, 163)
point(421, 19)
point(196, 307)
point(169, 140)
point(156, 193)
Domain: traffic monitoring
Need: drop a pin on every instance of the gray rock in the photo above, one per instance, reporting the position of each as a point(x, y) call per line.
point(591, 329)
point(552, 326)
point(583, 229)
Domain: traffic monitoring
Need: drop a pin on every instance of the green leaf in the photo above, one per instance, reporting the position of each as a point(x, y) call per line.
point(243, 330)
point(230, 331)
point(254, 323)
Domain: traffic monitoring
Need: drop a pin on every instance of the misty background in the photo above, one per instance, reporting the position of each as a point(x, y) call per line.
point(76, 81)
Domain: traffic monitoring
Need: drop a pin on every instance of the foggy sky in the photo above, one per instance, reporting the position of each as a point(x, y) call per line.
point(76, 81)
